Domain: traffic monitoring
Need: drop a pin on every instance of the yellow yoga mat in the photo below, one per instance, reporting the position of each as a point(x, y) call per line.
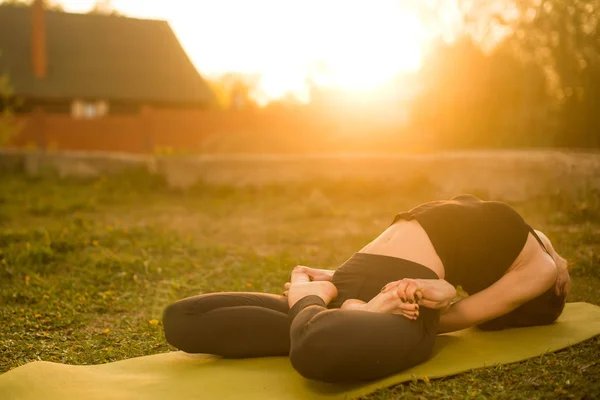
point(183, 376)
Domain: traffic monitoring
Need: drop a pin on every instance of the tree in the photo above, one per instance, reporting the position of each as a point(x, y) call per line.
point(54, 6)
point(104, 7)
point(234, 90)
point(563, 38)
point(539, 66)
point(16, 3)
point(49, 5)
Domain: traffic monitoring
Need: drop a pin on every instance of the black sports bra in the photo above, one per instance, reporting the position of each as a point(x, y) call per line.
point(476, 240)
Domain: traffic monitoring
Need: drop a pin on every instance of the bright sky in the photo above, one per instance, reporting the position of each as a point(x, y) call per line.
point(356, 45)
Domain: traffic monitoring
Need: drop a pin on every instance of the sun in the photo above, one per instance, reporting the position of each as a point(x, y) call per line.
point(353, 45)
point(379, 42)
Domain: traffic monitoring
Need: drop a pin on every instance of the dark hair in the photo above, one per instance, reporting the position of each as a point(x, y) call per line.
point(543, 310)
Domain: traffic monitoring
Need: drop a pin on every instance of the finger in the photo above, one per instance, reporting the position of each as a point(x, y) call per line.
point(285, 294)
point(406, 289)
point(414, 314)
point(418, 295)
point(410, 290)
point(412, 318)
point(287, 285)
point(565, 288)
point(560, 287)
point(407, 307)
point(401, 290)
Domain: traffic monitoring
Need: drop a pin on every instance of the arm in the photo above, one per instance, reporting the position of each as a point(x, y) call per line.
point(516, 287)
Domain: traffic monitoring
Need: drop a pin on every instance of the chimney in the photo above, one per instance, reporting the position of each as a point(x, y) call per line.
point(39, 53)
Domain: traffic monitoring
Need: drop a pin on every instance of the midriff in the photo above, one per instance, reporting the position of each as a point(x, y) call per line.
point(407, 240)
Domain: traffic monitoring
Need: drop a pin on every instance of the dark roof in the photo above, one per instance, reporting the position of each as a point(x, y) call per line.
point(100, 57)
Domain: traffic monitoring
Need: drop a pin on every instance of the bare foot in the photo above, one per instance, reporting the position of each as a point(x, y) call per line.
point(390, 302)
point(325, 290)
point(354, 304)
point(384, 302)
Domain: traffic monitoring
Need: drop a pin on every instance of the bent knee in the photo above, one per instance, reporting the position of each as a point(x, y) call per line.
point(174, 326)
point(169, 318)
point(316, 360)
point(310, 365)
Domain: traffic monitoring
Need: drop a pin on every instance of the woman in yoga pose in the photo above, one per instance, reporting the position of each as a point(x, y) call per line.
point(380, 311)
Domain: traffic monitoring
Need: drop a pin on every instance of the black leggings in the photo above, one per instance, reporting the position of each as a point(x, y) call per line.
point(324, 344)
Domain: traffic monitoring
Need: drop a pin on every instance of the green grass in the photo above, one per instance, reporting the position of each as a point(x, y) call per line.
point(87, 267)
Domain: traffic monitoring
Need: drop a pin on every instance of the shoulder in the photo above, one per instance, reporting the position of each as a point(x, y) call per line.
point(533, 258)
point(533, 272)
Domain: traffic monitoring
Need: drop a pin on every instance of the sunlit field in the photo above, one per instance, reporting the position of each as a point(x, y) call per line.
point(86, 267)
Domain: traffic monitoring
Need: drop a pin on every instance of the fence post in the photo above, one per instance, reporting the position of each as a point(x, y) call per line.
point(39, 128)
point(147, 130)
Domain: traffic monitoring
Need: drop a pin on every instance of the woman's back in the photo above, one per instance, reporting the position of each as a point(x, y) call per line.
point(465, 240)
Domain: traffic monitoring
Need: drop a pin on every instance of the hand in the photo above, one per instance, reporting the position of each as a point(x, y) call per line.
point(301, 286)
point(563, 280)
point(430, 293)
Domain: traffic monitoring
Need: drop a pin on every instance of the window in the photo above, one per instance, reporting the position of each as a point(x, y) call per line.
point(89, 109)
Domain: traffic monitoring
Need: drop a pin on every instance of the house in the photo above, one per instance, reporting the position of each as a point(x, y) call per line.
point(91, 65)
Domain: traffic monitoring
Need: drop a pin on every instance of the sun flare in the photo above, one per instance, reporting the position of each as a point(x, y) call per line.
point(353, 45)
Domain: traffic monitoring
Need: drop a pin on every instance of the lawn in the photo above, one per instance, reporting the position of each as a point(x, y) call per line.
point(86, 267)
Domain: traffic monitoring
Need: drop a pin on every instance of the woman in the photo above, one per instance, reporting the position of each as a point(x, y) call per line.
point(342, 326)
